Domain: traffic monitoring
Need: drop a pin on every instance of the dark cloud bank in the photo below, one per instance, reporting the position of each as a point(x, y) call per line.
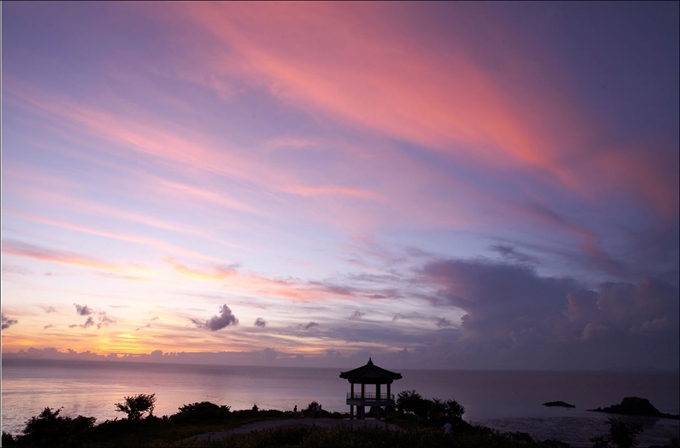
point(516, 318)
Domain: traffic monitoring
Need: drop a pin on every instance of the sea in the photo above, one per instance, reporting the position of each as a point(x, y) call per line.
point(509, 401)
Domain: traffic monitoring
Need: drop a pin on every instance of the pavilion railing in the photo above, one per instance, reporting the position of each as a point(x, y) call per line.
point(370, 396)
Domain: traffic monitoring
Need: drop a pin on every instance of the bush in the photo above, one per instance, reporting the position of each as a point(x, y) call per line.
point(201, 412)
point(411, 402)
point(50, 430)
point(434, 412)
point(7, 439)
point(136, 406)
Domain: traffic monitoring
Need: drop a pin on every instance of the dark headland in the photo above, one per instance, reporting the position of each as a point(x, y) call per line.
point(635, 406)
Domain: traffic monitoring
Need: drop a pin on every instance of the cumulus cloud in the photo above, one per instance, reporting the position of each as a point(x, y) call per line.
point(269, 354)
point(88, 323)
point(444, 322)
point(616, 300)
point(222, 320)
point(581, 306)
point(7, 322)
point(104, 320)
point(83, 310)
point(651, 326)
point(148, 324)
point(592, 331)
point(356, 315)
point(260, 322)
point(499, 298)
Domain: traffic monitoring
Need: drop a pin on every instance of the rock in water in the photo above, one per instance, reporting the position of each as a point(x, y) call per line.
point(558, 403)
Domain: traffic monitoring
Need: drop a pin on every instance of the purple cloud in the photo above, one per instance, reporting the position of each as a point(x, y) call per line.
point(218, 322)
point(83, 310)
point(7, 322)
point(357, 315)
point(309, 325)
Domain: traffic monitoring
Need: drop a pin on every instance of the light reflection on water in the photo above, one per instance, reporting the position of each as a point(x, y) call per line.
point(507, 401)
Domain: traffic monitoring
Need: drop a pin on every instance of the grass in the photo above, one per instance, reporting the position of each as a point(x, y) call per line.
point(174, 431)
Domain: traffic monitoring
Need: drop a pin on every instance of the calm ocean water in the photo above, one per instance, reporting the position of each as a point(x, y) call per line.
point(508, 401)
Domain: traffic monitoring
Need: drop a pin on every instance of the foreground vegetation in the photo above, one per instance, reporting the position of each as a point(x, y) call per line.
point(419, 420)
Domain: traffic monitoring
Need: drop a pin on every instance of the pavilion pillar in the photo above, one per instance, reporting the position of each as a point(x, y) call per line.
point(363, 397)
point(389, 393)
point(377, 401)
point(351, 406)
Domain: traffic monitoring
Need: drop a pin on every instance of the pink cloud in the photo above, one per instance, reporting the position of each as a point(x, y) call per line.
point(215, 273)
point(332, 190)
point(366, 66)
point(21, 249)
point(151, 242)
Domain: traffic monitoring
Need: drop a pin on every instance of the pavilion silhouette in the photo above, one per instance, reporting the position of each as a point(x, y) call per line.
point(369, 374)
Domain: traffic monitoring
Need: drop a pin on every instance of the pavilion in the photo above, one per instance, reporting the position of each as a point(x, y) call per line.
point(369, 374)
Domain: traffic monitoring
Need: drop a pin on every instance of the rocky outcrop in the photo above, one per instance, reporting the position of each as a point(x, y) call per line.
point(559, 404)
point(635, 406)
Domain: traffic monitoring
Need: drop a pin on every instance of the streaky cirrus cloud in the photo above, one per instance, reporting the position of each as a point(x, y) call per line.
point(422, 105)
point(22, 249)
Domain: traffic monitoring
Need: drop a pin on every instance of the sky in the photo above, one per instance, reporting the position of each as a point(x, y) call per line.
point(435, 185)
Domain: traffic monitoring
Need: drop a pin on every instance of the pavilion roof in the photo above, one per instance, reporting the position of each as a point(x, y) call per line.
point(370, 374)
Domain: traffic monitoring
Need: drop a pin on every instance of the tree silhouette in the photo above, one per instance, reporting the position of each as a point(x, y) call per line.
point(135, 406)
point(622, 434)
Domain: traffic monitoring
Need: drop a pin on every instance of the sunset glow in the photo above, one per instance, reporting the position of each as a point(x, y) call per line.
point(448, 185)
